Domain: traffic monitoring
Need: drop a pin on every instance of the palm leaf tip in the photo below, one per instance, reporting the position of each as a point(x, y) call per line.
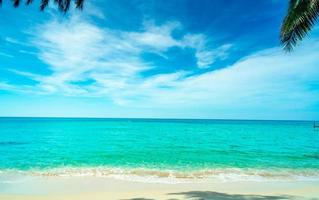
point(63, 5)
point(16, 3)
point(44, 4)
point(301, 17)
point(79, 4)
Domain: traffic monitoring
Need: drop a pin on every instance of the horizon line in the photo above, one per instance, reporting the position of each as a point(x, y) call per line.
point(158, 118)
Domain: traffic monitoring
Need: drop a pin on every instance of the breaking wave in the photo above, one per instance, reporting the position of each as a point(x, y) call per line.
point(175, 176)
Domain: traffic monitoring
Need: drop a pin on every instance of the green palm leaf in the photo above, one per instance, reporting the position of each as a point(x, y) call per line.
point(63, 5)
point(301, 17)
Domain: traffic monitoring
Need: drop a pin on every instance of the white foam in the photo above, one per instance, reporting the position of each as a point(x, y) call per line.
point(175, 176)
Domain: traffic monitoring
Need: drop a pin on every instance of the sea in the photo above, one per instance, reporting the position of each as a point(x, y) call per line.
point(160, 149)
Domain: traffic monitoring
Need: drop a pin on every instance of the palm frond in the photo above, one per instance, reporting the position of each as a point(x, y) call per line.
point(44, 4)
point(63, 5)
point(79, 4)
point(16, 3)
point(301, 17)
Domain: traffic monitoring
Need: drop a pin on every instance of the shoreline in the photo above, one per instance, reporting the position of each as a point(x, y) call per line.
point(88, 187)
point(179, 175)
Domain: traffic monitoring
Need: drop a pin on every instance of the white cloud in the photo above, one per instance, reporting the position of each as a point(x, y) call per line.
point(78, 50)
point(6, 86)
point(6, 55)
point(92, 10)
point(266, 81)
point(15, 41)
point(12, 40)
point(155, 37)
point(205, 56)
point(27, 52)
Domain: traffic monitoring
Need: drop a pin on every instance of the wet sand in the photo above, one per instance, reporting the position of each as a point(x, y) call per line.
point(102, 188)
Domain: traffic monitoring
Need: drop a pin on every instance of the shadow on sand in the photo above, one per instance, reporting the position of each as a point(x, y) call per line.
point(139, 199)
point(208, 195)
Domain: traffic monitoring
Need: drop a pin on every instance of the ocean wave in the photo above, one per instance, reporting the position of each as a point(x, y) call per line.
point(175, 176)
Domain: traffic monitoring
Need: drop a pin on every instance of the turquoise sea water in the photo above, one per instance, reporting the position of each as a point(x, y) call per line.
point(155, 146)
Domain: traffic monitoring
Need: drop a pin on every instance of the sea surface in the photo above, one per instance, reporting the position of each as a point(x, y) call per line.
point(163, 148)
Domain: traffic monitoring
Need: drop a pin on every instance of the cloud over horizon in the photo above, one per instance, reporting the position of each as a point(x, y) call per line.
point(79, 52)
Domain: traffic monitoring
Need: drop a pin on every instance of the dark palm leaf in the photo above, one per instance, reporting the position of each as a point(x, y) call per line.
point(301, 17)
point(63, 5)
point(16, 3)
point(44, 4)
point(79, 4)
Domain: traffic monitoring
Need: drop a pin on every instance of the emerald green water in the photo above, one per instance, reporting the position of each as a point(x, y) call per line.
point(180, 145)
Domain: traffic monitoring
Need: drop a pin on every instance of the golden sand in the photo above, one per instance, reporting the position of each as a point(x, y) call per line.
point(101, 188)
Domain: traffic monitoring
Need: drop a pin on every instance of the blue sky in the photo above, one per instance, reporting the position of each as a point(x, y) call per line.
point(161, 59)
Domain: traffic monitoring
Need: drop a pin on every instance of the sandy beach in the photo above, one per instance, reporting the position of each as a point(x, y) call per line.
point(101, 188)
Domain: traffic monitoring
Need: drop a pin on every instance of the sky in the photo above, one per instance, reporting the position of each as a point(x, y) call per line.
point(156, 59)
